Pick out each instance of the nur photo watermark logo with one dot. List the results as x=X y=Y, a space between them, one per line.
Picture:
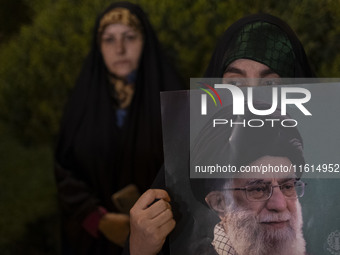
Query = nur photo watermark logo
x=281 y=99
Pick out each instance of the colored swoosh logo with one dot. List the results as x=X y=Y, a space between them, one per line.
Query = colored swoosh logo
x=209 y=93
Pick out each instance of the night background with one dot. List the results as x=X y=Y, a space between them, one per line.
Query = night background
x=42 y=47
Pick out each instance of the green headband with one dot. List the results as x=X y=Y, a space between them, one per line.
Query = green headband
x=264 y=43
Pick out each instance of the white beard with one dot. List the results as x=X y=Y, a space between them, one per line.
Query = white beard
x=250 y=237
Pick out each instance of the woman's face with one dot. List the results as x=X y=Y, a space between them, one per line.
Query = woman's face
x=121 y=47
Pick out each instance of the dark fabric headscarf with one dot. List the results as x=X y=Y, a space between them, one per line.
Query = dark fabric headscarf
x=265 y=39
x=94 y=157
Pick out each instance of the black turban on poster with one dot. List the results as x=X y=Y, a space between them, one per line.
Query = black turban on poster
x=94 y=157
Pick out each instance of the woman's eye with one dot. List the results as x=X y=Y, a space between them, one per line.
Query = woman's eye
x=271 y=82
x=131 y=37
x=237 y=83
x=108 y=39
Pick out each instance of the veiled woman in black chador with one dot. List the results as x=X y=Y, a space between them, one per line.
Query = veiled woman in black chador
x=110 y=133
x=271 y=44
x=259 y=40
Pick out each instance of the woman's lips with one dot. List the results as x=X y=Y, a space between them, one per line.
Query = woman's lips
x=121 y=62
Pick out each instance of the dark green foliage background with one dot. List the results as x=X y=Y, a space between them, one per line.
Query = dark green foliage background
x=40 y=61
x=42 y=46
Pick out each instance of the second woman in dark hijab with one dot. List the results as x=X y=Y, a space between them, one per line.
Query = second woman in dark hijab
x=110 y=134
